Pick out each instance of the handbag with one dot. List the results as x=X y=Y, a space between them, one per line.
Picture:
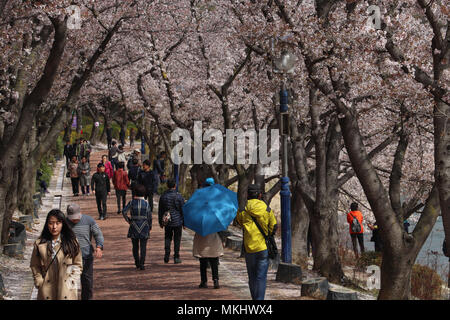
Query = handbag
x=166 y=218
x=272 y=249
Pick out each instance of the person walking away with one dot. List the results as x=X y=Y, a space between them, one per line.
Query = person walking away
x=140 y=223
x=56 y=261
x=172 y=201
x=158 y=166
x=109 y=136
x=148 y=178
x=133 y=173
x=406 y=225
x=121 y=157
x=136 y=154
x=74 y=172
x=208 y=249
x=355 y=231
x=132 y=136
x=42 y=184
x=121 y=184
x=77 y=148
x=101 y=188
x=85 y=228
x=256 y=255
x=113 y=154
x=85 y=150
x=85 y=173
x=376 y=238
x=68 y=152
x=108 y=166
x=122 y=135
x=309 y=247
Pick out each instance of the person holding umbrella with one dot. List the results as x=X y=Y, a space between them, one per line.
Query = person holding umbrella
x=208 y=249
x=172 y=202
x=208 y=211
x=256 y=255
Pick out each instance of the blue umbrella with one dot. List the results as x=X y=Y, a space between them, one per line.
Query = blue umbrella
x=210 y=209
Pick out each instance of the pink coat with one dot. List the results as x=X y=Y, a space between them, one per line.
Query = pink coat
x=109 y=169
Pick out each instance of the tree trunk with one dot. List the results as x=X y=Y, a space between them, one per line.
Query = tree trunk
x=245 y=178
x=183 y=188
x=8 y=199
x=26 y=185
x=325 y=240
x=67 y=133
x=396 y=276
x=442 y=163
x=299 y=225
x=79 y=121
x=93 y=139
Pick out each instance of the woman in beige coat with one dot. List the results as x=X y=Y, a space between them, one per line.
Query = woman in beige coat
x=56 y=261
x=208 y=249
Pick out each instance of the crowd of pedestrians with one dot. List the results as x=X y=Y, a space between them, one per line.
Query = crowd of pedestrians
x=67 y=238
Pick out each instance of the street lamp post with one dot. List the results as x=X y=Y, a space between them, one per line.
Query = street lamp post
x=284 y=65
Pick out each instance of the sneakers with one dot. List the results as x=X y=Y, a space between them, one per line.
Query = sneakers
x=203 y=285
x=176 y=260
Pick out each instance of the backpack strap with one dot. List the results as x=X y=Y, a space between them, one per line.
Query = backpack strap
x=259 y=227
x=268 y=209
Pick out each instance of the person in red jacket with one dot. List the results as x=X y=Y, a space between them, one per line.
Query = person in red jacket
x=356 y=214
x=121 y=184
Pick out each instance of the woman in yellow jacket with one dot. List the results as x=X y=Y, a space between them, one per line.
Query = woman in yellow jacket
x=256 y=256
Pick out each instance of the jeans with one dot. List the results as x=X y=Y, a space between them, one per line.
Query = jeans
x=87 y=278
x=257 y=267
x=101 y=203
x=114 y=163
x=141 y=244
x=175 y=233
x=121 y=194
x=214 y=262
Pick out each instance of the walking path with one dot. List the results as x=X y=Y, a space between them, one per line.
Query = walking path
x=115 y=275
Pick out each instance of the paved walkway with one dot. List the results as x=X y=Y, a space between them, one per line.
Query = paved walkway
x=116 y=277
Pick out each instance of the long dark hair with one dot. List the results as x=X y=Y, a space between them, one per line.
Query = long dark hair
x=69 y=241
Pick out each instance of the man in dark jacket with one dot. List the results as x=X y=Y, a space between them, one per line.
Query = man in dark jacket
x=173 y=202
x=109 y=136
x=101 y=188
x=135 y=155
x=68 y=152
x=122 y=136
x=148 y=178
x=113 y=155
x=133 y=173
x=158 y=166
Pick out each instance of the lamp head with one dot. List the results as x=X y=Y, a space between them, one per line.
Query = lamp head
x=285 y=63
